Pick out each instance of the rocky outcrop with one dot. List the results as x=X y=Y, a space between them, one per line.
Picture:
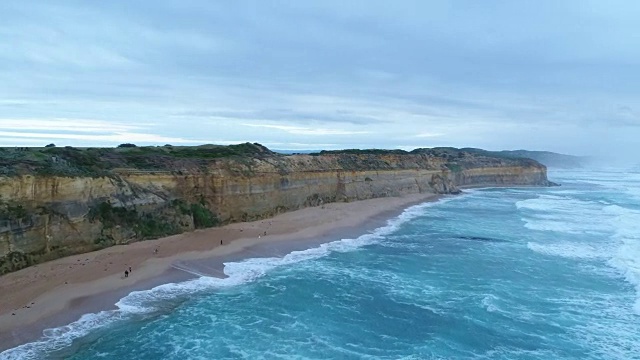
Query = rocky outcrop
x=43 y=217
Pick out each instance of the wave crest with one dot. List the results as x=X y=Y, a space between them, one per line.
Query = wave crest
x=241 y=272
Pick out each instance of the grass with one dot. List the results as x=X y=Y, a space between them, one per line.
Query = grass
x=239 y=159
x=100 y=162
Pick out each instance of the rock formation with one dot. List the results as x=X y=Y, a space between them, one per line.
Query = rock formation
x=56 y=202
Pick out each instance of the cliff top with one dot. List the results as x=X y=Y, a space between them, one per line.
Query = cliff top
x=70 y=161
x=452 y=156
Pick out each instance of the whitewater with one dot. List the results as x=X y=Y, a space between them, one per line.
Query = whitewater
x=498 y=273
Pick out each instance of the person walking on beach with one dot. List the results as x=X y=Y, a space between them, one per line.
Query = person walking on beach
x=126 y=273
x=130 y=271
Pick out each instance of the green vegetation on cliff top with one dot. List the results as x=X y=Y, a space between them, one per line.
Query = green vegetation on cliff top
x=96 y=162
x=70 y=161
x=454 y=154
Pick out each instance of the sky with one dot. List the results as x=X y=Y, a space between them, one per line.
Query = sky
x=550 y=75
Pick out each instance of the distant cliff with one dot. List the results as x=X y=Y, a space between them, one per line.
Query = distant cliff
x=56 y=202
x=546 y=158
x=550 y=159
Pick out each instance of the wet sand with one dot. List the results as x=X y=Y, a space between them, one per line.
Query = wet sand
x=58 y=292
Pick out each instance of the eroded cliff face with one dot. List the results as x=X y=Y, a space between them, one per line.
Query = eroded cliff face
x=46 y=217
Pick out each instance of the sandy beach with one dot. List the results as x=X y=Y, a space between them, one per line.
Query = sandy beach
x=58 y=292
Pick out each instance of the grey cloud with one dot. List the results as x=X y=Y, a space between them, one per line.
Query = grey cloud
x=488 y=74
x=338 y=116
x=622 y=116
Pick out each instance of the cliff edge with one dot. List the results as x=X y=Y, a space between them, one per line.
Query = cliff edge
x=56 y=202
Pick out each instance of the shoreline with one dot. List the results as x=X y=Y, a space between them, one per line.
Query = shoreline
x=58 y=292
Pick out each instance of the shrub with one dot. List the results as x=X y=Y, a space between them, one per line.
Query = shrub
x=11 y=211
x=203 y=217
x=111 y=216
x=181 y=206
x=149 y=227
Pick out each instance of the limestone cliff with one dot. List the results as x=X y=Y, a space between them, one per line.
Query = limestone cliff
x=63 y=204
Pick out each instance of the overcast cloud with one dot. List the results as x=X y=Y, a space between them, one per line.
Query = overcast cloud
x=542 y=75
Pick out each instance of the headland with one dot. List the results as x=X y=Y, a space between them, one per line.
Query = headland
x=73 y=220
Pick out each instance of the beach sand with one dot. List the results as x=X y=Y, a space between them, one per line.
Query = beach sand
x=58 y=292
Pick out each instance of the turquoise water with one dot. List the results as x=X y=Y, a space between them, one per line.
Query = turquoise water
x=526 y=273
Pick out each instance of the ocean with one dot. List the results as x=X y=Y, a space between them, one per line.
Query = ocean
x=496 y=273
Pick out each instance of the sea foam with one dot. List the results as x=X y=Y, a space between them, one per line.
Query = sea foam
x=241 y=272
x=627 y=256
x=562 y=214
x=618 y=225
x=568 y=250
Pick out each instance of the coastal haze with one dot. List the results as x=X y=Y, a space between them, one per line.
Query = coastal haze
x=547 y=75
